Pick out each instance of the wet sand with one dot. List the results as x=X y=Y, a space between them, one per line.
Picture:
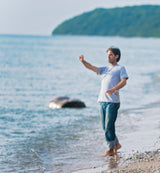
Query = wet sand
x=147 y=162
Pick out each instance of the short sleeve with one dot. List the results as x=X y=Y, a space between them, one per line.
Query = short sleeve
x=102 y=70
x=123 y=73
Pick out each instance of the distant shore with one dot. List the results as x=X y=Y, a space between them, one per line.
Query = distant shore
x=140 y=21
x=146 y=162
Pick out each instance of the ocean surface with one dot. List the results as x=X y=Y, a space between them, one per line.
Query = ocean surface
x=36 y=69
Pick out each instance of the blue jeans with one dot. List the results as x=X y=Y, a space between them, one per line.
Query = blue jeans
x=108 y=113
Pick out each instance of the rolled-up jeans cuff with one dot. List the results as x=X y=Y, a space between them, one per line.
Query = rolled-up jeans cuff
x=112 y=144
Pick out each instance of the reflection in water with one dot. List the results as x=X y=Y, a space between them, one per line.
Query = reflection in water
x=113 y=161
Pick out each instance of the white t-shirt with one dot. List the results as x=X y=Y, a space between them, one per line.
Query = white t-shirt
x=110 y=77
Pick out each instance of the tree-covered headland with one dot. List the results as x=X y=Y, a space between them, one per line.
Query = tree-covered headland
x=139 y=21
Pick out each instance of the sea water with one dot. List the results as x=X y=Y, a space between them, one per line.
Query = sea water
x=36 y=69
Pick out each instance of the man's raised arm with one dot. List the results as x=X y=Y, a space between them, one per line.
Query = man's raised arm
x=88 y=65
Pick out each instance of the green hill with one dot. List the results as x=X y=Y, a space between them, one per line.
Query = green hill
x=140 y=21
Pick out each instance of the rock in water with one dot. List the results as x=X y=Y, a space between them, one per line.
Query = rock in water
x=65 y=102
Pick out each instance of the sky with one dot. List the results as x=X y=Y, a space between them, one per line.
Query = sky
x=40 y=17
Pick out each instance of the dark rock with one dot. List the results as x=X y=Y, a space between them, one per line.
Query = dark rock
x=65 y=102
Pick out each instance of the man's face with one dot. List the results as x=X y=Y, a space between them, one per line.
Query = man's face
x=112 y=58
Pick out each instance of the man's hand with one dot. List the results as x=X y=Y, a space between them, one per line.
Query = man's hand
x=81 y=58
x=110 y=91
x=120 y=85
x=88 y=65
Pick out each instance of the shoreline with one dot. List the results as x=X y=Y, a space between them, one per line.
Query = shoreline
x=143 y=162
x=146 y=162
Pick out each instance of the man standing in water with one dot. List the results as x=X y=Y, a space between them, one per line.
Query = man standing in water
x=114 y=77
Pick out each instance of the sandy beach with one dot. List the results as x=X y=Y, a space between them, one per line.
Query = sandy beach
x=147 y=162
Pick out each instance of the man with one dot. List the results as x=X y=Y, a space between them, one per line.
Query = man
x=114 y=77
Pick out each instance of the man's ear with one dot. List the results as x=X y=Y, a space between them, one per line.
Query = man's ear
x=117 y=56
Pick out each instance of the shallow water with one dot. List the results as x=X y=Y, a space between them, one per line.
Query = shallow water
x=35 y=69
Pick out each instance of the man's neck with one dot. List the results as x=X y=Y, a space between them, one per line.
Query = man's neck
x=113 y=64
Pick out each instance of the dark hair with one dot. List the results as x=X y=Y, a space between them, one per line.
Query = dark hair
x=116 y=51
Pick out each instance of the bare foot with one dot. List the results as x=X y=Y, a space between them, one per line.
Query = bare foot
x=109 y=152
x=117 y=147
